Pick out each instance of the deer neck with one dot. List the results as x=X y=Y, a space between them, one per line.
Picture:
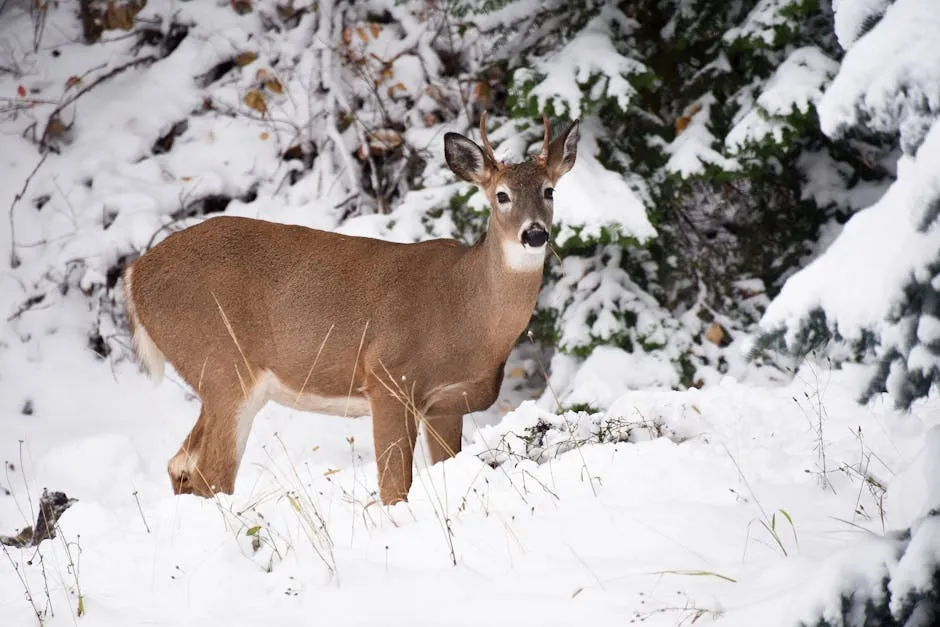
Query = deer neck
x=503 y=293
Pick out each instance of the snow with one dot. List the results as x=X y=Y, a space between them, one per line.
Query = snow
x=576 y=530
x=795 y=87
x=852 y=17
x=889 y=80
x=590 y=55
x=763 y=22
x=664 y=505
x=878 y=251
x=692 y=149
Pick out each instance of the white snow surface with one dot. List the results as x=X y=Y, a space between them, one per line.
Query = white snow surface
x=851 y=16
x=659 y=520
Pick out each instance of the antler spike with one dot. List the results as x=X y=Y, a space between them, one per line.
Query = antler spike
x=486 y=142
x=548 y=137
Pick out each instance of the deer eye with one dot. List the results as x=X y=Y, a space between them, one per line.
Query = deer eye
x=549 y=193
x=502 y=198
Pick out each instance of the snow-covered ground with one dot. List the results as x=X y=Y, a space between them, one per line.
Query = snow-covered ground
x=714 y=503
x=743 y=503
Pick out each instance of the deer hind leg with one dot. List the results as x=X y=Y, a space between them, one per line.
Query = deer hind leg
x=208 y=459
x=443 y=434
x=395 y=431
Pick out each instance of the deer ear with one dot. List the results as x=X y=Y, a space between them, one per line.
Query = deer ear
x=563 y=151
x=466 y=159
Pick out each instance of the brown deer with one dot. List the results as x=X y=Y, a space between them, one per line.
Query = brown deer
x=249 y=311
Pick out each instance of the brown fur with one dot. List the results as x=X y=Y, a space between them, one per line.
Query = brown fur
x=247 y=310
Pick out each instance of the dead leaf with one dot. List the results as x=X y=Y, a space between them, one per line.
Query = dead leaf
x=186 y=179
x=715 y=334
x=362 y=33
x=264 y=136
x=481 y=92
x=683 y=121
x=242 y=6
x=56 y=127
x=347 y=36
x=72 y=81
x=376 y=29
x=387 y=138
x=255 y=100
x=330 y=472
x=121 y=16
x=245 y=58
x=274 y=85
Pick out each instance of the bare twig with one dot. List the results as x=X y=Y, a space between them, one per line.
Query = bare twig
x=14 y=258
x=43 y=141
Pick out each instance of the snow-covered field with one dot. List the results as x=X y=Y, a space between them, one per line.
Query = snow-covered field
x=726 y=515
x=748 y=502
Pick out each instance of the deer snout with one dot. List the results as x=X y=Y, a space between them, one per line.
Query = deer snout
x=535 y=235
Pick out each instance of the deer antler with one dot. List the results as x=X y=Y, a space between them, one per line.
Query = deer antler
x=548 y=136
x=486 y=142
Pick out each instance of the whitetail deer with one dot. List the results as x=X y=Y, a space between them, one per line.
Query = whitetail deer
x=249 y=311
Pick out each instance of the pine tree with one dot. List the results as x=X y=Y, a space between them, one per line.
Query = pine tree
x=700 y=114
x=876 y=290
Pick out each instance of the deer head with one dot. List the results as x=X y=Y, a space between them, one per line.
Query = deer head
x=521 y=194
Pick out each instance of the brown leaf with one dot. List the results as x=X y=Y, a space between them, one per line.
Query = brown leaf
x=72 y=81
x=264 y=136
x=715 y=334
x=683 y=121
x=121 y=16
x=362 y=33
x=481 y=92
x=274 y=85
x=245 y=58
x=385 y=139
x=255 y=100
x=242 y=6
x=56 y=127
x=376 y=29
x=347 y=36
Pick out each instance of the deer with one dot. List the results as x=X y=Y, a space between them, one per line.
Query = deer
x=249 y=311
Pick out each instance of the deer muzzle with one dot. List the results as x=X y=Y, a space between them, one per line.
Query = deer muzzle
x=535 y=235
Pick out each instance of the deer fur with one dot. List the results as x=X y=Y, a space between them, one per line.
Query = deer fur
x=249 y=311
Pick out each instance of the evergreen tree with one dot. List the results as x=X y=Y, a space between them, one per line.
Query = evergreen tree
x=702 y=115
x=876 y=290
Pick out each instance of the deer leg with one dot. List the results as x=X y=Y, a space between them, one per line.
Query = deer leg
x=208 y=460
x=394 y=430
x=443 y=435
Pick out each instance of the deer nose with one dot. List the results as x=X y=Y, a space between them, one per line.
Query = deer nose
x=535 y=236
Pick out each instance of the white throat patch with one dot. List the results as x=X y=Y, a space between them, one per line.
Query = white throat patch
x=521 y=258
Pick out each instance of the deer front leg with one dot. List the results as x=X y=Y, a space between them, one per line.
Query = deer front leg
x=394 y=430
x=443 y=434
x=208 y=460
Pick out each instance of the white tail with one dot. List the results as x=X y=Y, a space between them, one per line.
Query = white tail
x=249 y=311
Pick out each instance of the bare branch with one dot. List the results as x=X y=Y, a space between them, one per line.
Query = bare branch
x=14 y=258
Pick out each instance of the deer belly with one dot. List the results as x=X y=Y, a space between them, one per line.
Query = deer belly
x=352 y=406
x=462 y=398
